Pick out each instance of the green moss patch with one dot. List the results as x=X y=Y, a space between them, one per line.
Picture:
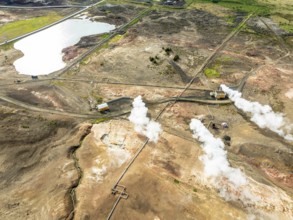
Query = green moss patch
x=211 y=73
x=18 y=28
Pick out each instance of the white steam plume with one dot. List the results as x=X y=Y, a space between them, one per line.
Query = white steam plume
x=215 y=157
x=231 y=182
x=262 y=115
x=142 y=124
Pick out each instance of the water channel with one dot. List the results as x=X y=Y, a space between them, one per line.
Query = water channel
x=43 y=50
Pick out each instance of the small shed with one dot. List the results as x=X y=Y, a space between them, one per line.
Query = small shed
x=218 y=94
x=103 y=107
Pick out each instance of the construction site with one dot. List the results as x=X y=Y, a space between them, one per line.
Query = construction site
x=183 y=111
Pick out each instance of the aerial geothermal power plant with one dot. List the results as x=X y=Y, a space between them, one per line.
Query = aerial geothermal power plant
x=146 y=110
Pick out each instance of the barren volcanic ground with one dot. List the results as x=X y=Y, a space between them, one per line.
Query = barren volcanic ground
x=60 y=157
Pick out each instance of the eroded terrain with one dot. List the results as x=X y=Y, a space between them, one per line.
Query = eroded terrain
x=60 y=157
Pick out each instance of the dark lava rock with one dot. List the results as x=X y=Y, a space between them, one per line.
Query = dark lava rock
x=35 y=2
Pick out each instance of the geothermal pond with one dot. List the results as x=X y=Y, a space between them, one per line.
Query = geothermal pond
x=43 y=50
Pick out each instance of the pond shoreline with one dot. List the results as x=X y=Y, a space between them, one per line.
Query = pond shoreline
x=41 y=57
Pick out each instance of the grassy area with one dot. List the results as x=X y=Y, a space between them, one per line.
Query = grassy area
x=247 y=6
x=17 y=28
x=105 y=35
x=211 y=73
x=7 y=46
x=115 y=39
x=85 y=61
x=280 y=13
x=230 y=19
x=214 y=70
x=287 y=27
x=57 y=83
x=100 y=120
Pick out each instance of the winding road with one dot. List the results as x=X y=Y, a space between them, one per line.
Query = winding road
x=113 y=114
x=50 y=111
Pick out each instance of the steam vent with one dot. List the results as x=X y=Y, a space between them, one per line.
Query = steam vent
x=146 y=110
